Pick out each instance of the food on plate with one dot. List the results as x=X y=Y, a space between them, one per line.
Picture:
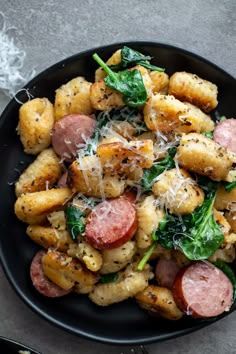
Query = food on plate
x=41 y=282
x=203 y=290
x=191 y=88
x=132 y=191
x=43 y=172
x=71 y=132
x=36 y=120
x=73 y=97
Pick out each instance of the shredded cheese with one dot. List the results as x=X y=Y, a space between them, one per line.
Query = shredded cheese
x=11 y=63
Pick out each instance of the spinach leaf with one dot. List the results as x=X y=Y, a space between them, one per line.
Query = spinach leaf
x=149 y=174
x=228 y=272
x=129 y=83
x=207 y=185
x=131 y=57
x=203 y=235
x=108 y=278
x=196 y=234
x=209 y=135
x=229 y=186
x=74 y=221
x=167 y=230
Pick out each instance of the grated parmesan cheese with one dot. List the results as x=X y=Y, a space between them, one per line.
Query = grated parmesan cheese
x=11 y=63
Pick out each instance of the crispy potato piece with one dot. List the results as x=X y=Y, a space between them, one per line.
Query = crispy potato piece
x=103 y=97
x=91 y=257
x=224 y=254
x=68 y=272
x=202 y=155
x=118 y=156
x=48 y=237
x=117 y=258
x=36 y=120
x=115 y=59
x=167 y=114
x=41 y=174
x=134 y=175
x=125 y=129
x=73 y=97
x=57 y=219
x=191 y=88
x=86 y=176
x=230 y=238
x=129 y=282
x=206 y=123
x=225 y=200
x=178 y=192
x=231 y=218
x=149 y=216
x=160 y=82
x=160 y=301
x=31 y=207
x=221 y=221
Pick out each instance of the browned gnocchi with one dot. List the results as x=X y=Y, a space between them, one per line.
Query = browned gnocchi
x=129 y=191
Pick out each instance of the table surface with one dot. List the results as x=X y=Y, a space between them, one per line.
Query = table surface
x=51 y=30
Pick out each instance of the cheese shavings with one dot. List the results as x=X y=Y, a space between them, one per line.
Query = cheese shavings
x=11 y=62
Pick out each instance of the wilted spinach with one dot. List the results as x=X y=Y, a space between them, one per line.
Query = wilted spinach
x=203 y=236
x=131 y=57
x=209 y=135
x=129 y=83
x=74 y=221
x=229 y=186
x=196 y=234
x=108 y=278
x=157 y=168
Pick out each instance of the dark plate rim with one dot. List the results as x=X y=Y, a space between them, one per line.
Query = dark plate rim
x=11 y=279
x=18 y=344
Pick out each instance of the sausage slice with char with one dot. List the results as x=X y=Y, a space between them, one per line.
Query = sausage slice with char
x=111 y=224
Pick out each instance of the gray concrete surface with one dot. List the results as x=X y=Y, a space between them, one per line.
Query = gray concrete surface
x=49 y=31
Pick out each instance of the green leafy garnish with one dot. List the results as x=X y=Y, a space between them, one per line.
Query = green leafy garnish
x=209 y=135
x=129 y=83
x=157 y=168
x=228 y=272
x=229 y=186
x=196 y=234
x=147 y=255
x=203 y=236
x=74 y=221
x=131 y=57
x=108 y=278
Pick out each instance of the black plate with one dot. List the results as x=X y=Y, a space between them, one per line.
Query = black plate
x=123 y=323
x=10 y=346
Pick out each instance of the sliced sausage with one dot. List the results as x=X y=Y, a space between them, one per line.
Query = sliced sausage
x=41 y=282
x=224 y=134
x=111 y=224
x=166 y=272
x=130 y=196
x=70 y=132
x=203 y=290
x=62 y=182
